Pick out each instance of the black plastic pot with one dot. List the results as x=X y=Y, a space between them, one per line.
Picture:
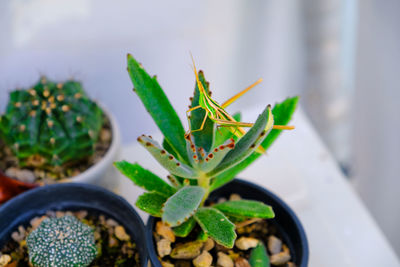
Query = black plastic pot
x=285 y=220
x=71 y=196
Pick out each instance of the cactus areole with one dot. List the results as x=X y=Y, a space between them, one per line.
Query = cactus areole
x=51 y=124
x=62 y=242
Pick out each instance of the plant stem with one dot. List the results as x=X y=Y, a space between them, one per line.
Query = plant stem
x=204 y=181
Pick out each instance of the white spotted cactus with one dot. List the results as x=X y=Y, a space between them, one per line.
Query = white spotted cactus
x=51 y=124
x=61 y=242
x=199 y=161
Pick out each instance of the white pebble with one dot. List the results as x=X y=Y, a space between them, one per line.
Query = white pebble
x=203 y=260
x=224 y=260
x=244 y=243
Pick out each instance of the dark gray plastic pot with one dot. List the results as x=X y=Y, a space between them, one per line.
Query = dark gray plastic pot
x=285 y=220
x=71 y=196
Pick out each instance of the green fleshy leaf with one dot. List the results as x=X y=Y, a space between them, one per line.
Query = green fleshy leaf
x=222 y=134
x=246 y=208
x=205 y=137
x=282 y=115
x=248 y=143
x=215 y=224
x=169 y=148
x=185 y=228
x=167 y=160
x=202 y=236
x=159 y=107
x=259 y=256
x=144 y=178
x=151 y=203
x=216 y=156
x=182 y=205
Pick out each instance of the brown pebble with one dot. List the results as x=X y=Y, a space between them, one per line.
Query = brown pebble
x=111 y=223
x=274 y=245
x=209 y=244
x=112 y=242
x=244 y=243
x=280 y=258
x=81 y=214
x=164 y=247
x=221 y=200
x=35 y=222
x=5 y=260
x=165 y=231
x=19 y=235
x=69 y=213
x=60 y=214
x=224 y=260
x=166 y=264
x=105 y=135
x=187 y=251
x=247 y=222
x=235 y=197
x=121 y=234
x=97 y=235
x=203 y=260
x=23 y=175
x=242 y=262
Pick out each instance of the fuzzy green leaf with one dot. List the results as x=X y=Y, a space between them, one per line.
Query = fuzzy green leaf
x=159 y=107
x=202 y=236
x=167 y=160
x=169 y=148
x=282 y=115
x=215 y=224
x=144 y=178
x=182 y=205
x=216 y=156
x=205 y=137
x=223 y=133
x=185 y=228
x=248 y=143
x=151 y=203
x=259 y=256
x=246 y=208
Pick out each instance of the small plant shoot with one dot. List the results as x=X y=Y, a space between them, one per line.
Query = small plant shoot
x=214 y=149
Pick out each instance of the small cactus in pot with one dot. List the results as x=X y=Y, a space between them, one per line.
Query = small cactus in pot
x=51 y=125
x=63 y=241
x=210 y=154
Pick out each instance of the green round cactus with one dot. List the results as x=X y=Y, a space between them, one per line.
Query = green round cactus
x=51 y=124
x=61 y=242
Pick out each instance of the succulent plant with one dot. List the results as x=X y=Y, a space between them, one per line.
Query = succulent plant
x=51 y=124
x=63 y=241
x=198 y=161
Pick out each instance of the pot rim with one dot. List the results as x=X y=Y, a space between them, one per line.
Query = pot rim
x=300 y=230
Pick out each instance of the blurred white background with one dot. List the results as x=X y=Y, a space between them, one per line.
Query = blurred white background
x=340 y=56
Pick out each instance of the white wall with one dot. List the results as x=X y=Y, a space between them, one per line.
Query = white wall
x=233 y=41
x=376 y=134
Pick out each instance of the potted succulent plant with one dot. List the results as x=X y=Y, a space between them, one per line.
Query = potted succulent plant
x=70 y=224
x=54 y=132
x=200 y=218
